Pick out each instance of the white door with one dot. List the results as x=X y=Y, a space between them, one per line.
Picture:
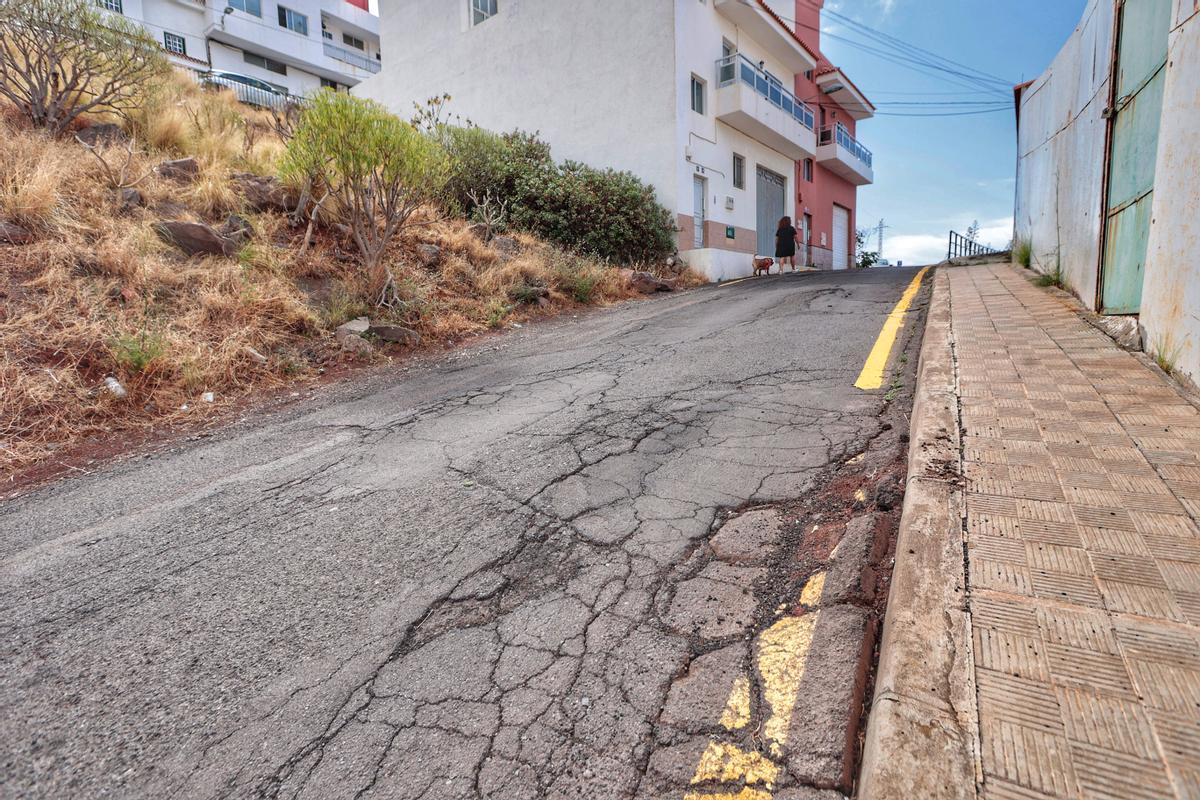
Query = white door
x=841 y=237
x=699 y=192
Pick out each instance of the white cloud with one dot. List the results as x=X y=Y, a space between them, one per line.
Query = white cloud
x=930 y=248
x=915 y=248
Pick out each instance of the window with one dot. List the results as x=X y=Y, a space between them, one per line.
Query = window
x=265 y=63
x=353 y=41
x=293 y=21
x=739 y=171
x=110 y=5
x=328 y=84
x=482 y=10
x=249 y=6
x=808 y=73
x=174 y=43
x=808 y=169
x=727 y=62
x=697 y=95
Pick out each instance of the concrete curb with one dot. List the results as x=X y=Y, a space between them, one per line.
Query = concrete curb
x=923 y=730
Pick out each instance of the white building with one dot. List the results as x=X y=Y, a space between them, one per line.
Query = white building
x=692 y=96
x=295 y=45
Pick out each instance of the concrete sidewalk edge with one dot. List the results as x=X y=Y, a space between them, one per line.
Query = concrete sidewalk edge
x=922 y=733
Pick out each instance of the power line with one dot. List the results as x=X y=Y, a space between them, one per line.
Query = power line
x=945 y=103
x=939 y=114
x=888 y=38
x=913 y=57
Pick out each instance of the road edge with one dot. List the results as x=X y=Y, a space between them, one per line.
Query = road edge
x=922 y=731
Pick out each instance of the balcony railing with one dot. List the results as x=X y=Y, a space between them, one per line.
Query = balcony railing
x=838 y=133
x=352 y=58
x=737 y=67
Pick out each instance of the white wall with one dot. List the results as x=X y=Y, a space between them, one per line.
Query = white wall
x=1171 y=289
x=229 y=58
x=595 y=79
x=699 y=32
x=194 y=21
x=1060 y=155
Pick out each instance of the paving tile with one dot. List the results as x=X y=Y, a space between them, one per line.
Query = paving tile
x=1011 y=653
x=1104 y=721
x=1066 y=587
x=1088 y=669
x=1007 y=698
x=1101 y=517
x=1057 y=558
x=1028 y=758
x=1013 y=614
x=1083 y=552
x=1120 y=776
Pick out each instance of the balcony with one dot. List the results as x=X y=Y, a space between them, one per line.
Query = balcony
x=841 y=154
x=768 y=31
x=756 y=103
x=352 y=57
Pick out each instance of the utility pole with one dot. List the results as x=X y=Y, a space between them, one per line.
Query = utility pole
x=878 y=231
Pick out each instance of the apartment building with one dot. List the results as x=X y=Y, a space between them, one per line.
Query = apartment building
x=726 y=107
x=295 y=45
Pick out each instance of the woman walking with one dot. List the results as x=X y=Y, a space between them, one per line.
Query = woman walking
x=785 y=244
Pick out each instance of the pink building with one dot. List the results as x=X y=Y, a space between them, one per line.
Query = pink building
x=827 y=185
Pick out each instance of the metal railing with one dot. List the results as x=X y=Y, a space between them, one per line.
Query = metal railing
x=352 y=58
x=838 y=133
x=737 y=67
x=961 y=246
x=250 y=95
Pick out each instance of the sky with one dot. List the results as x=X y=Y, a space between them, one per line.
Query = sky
x=936 y=174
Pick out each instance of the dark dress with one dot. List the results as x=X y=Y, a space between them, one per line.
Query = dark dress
x=785 y=242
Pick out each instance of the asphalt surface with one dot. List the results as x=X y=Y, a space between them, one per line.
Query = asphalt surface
x=451 y=585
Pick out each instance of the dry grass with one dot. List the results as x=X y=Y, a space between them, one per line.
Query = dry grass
x=99 y=294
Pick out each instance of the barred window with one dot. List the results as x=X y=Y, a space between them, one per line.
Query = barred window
x=174 y=43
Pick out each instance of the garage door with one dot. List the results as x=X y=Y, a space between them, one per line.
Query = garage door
x=771 y=192
x=841 y=238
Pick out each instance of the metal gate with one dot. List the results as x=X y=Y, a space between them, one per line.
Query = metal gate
x=699 y=197
x=1142 y=28
x=772 y=189
x=841 y=237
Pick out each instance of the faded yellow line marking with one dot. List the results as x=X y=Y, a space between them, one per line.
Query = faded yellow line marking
x=871 y=376
x=811 y=594
x=725 y=763
x=744 y=794
x=782 y=651
x=737 y=707
x=779 y=656
x=723 y=284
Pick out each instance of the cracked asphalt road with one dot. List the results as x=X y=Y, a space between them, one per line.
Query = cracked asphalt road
x=451 y=585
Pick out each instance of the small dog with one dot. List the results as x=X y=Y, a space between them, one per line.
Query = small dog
x=763 y=265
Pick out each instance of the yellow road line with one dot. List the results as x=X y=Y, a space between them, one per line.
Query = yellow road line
x=723 y=284
x=871 y=376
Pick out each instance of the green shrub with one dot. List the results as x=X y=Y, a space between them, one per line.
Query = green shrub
x=604 y=213
x=379 y=168
x=577 y=278
x=1023 y=250
x=135 y=352
x=496 y=312
x=526 y=293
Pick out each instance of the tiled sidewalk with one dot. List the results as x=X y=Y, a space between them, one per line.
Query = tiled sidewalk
x=1082 y=471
